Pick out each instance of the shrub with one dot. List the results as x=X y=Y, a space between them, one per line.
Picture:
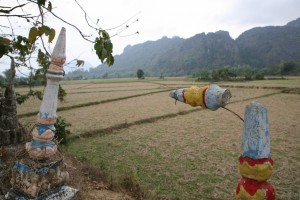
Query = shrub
x=140 y=74
x=62 y=130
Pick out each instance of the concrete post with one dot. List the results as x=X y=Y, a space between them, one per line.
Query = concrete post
x=256 y=165
x=41 y=173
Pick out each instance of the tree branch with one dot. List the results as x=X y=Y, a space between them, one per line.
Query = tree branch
x=68 y=23
x=8 y=11
x=21 y=16
x=85 y=16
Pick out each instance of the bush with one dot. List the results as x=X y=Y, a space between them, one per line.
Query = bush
x=62 y=130
x=140 y=74
x=259 y=74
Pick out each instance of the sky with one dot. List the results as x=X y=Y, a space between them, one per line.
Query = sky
x=154 y=19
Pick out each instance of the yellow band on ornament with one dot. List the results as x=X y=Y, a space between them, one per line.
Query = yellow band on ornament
x=195 y=96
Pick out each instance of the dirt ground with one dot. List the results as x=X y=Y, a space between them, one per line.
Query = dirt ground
x=84 y=177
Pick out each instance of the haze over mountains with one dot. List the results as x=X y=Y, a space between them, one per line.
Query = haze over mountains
x=258 y=47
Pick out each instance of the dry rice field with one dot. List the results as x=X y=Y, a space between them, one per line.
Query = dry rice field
x=174 y=150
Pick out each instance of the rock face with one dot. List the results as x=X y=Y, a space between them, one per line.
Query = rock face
x=263 y=46
x=257 y=47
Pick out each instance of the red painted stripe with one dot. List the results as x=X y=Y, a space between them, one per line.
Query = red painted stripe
x=253 y=162
x=251 y=187
x=184 y=100
x=203 y=97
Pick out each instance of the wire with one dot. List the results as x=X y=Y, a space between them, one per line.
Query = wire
x=234 y=113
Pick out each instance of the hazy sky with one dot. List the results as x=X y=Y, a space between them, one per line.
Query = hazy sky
x=158 y=18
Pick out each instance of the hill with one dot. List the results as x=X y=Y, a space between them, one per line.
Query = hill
x=258 y=47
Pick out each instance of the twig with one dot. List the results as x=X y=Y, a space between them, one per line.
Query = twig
x=8 y=11
x=234 y=113
x=86 y=16
x=21 y=16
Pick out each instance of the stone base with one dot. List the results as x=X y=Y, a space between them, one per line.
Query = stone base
x=62 y=192
x=31 y=178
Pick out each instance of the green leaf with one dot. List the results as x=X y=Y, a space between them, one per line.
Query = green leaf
x=79 y=63
x=108 y=46
x=3 y=50
x=97 y=46
x=103 y=54
x=44 y=29
x=104 y=48
x=110 y=60
x=4 y=41
x=51 y=35
x=41 y=2
x=49 y=6
x=33 y=33
x=105 y=35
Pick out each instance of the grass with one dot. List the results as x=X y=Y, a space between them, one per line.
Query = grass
x=168 y=159
x=92 y=103
x=176 y=151
x=195 y=156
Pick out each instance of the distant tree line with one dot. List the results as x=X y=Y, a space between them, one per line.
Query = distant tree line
x=20 y=81
x=226 y=73
x=246 y=72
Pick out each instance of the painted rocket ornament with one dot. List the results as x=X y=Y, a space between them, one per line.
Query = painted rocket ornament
x=42 y=146
x=211 y=96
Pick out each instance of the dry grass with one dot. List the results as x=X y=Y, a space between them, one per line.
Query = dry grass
x=179 y=151
x=195 y=156
x=79 y=98
x=130 y=110
x=90 y=92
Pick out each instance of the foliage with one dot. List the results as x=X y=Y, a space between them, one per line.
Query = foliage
x=230 y=74
x=105 y=75
x=62 y=130
x=22 y=98
x=23 y=48
x=290 y=68
x=259 y=74
x=140 y=74
x=104 y=48
x=204 y=74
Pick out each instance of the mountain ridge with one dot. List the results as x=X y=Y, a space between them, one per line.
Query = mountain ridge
x=257 y=47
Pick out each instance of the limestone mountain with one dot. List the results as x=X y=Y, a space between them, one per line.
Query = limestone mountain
x=263 y=46
x=257 y=47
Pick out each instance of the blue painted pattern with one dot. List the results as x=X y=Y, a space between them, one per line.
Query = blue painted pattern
x=40 y=144
x=256 y=135
x=45 y=170
x=23 y=168
x=42 y=128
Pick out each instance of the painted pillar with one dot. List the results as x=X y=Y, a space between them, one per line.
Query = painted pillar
x=41 y=173
x=210 y=96
x=256 y=165
x=42 y=146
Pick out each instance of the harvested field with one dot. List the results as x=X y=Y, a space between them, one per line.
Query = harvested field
x=73 y=99
x=178 y=151
x=110 y=114
x=195 y=156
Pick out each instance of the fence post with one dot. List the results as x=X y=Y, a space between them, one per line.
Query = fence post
x=40 y=172
x=255 y=163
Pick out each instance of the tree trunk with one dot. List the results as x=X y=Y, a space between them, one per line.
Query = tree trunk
x=10 y=130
